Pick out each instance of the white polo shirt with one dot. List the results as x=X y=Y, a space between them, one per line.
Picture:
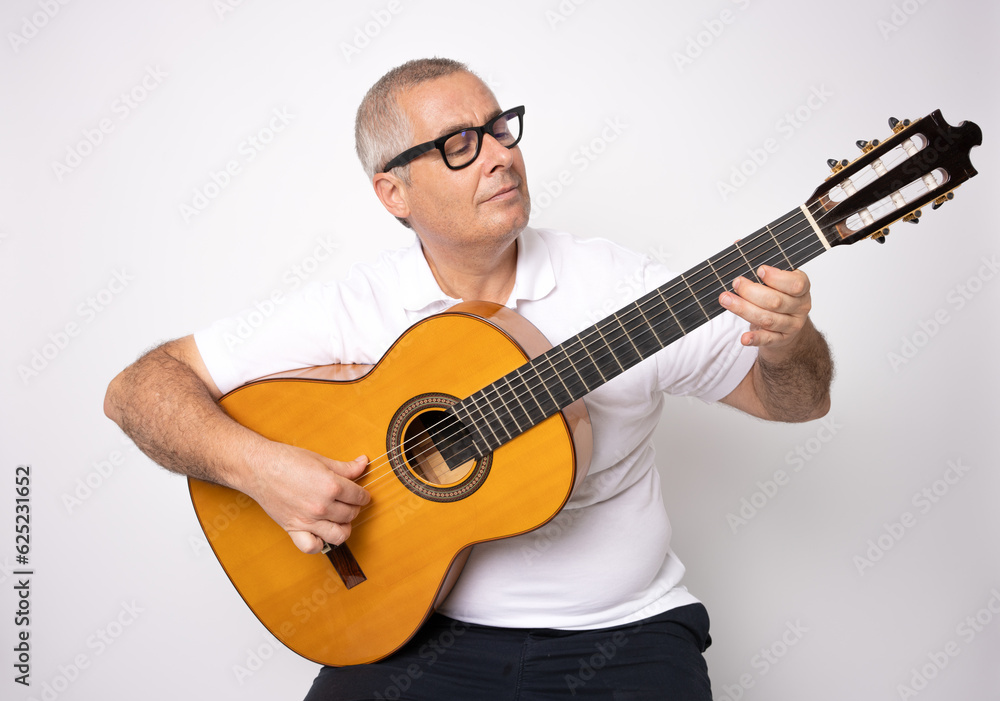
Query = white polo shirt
x=605 y=559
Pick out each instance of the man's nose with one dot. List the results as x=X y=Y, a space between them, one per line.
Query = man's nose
x=497 y=153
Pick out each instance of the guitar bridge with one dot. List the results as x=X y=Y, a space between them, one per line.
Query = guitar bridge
x=345 y=563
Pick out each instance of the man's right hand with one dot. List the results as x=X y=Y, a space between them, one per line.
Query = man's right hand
x=311 y=496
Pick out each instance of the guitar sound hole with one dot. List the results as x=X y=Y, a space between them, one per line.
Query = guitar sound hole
x=424 y=439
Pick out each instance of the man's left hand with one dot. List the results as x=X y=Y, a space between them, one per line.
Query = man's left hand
x=777 y=310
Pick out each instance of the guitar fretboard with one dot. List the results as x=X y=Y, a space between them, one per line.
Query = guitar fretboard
x=555 y=379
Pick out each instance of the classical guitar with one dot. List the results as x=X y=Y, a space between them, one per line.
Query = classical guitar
x=469 y=405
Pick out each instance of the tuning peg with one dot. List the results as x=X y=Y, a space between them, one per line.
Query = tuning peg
x=880 y=235
x=942 y=199
x=867 y=146
x=913 y=217
x=836 y=165
x=897 y=125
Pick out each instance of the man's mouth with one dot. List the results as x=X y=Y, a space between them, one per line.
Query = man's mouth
x=503 y=193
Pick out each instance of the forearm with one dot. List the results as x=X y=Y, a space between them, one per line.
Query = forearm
x=794 y=384
x=171 y=415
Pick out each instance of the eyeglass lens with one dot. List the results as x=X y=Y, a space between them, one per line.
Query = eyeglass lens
x=462 y=148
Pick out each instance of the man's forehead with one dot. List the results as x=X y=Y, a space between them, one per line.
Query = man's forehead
x=449 y=102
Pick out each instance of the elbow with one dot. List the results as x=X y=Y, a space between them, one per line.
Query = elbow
x=111 y=409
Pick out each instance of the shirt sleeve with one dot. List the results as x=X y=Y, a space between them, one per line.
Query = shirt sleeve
x=286 y=333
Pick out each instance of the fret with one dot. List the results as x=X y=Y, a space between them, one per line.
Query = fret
x=611 y=354
x=606 y=340
x=652 y=326
x=714 y=272
x=759 y=250
x=680 y=327
x=790 y=266
x=511 y=414
x=689 y=315
x=565 y=397
x=750 y=266
x=534 y=368
x=483 y=419
x=575 y=374
x=593 y=362
x=538 y=413
x=469 y=421
x=698 y=301
x=623 y=349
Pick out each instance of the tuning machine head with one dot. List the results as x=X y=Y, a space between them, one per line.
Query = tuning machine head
x=898 y=125
x=867 y=146
x=835 y=165
x=942 y=199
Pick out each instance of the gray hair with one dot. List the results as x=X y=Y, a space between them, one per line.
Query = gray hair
x=381 y=128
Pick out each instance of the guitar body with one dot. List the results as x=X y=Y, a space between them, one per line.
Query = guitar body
x=360 y=603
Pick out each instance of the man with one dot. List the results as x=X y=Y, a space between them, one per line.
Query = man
x=591 y=604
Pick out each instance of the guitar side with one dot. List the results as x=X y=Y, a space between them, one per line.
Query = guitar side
x=410 y=541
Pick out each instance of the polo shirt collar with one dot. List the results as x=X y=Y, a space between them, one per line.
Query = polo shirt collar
x=533 y=280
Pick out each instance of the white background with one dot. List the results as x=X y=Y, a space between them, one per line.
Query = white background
x=115 y=547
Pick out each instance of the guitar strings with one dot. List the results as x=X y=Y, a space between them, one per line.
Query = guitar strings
x=377 y=465
x=711 y=272
x=781 y=236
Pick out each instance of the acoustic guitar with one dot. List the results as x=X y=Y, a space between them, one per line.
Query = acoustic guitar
x=470 y=405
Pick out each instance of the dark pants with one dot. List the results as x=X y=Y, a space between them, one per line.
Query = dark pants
x=658 y=658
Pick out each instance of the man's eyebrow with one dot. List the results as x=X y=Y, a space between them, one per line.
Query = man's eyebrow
x=459 y=127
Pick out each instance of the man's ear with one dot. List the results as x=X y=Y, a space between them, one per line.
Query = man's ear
x=391 y=192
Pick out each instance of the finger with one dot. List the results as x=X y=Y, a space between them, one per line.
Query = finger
x=791 y=282
x=321 y=533
x=760 y=338
x=759 y=318
x=306 y=542
x=347 y=491
x=773 y=300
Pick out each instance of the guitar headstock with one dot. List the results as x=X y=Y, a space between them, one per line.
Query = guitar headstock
x=920 y=163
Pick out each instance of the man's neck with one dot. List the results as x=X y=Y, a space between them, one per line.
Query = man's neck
x=477 y=274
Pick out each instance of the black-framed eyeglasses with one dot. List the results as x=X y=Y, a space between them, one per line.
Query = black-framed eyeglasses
x=459 y=149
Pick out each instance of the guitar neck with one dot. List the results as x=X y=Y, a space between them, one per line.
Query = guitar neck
x=581 y=364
